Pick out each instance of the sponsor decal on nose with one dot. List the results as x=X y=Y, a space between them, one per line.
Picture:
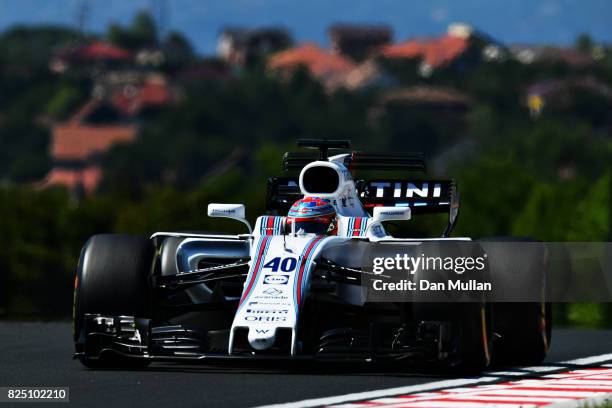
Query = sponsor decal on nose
x=276 y=279
x=261 y=338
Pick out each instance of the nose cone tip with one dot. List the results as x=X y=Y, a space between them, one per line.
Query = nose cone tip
x=261 y=339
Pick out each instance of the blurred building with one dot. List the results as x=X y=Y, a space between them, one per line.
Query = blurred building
x=528 y=54
x=462 y=47
x=112 y=116
x=585 y=94
x=77 y=146
x=358 y=41
x=135 y=93
x=203 y=69
x=362 y=56
x=326 y=66
x=104 y=56
x=368 y=75
x=448 y=103
x=150 y=57
x=98 y=54
x=242 y=47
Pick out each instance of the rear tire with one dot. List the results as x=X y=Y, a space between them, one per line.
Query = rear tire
x=112 y=279
x=523 y=329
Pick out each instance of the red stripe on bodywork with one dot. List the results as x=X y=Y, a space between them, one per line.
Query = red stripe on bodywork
x=302 y=266
x=270 y=226
x=256 y=270
x=357 y=227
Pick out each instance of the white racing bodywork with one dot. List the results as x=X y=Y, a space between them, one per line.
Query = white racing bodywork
x=281 y=263
x=276 y=286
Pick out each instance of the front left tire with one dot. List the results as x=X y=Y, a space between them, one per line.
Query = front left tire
x=112 y=279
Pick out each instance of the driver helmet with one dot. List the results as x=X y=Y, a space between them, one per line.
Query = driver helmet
x=313 y=215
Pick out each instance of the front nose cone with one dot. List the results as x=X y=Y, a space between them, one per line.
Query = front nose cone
x=261 y=339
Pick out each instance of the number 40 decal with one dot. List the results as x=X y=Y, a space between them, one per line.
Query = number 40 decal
x=286 y=264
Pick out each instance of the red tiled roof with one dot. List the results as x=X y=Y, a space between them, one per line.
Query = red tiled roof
x=435 y=52
x=88 y=178
x=409 y=49
x=101 y=50
x=319 y=62
x=153 y=93
x=73 y=141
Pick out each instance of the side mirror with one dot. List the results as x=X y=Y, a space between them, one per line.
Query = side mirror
x=233 y=211
x=391 y=213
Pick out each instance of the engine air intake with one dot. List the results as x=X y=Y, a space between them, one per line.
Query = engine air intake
x=320 y=180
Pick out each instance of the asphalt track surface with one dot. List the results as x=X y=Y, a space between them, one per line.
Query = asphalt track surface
x=40 y=354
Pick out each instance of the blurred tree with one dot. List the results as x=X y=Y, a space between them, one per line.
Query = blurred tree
x=178 y=49
x=411 y=129
x=590 y=106
x=549 y=211
x=494 y=191
x=590 y=220
x=552 y=149
x=29 y=48
x=584 y=43
x=23 y=151
x=64 y=102
x=144 y=29
x=37 y=256
x=141 y=33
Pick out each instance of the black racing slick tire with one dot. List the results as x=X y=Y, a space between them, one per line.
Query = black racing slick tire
x=472 y=337
x=525 y=332
x=476 y=338
x=470 y=347
x=112 y=280
x=522 y=329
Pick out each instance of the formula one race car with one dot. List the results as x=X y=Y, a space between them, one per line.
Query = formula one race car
x=291 y=288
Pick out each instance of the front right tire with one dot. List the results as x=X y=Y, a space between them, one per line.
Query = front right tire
x=470 y=319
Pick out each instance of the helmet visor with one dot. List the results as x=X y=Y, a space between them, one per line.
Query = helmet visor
x=312 y=227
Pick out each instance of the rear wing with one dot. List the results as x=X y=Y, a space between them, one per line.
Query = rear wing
x=422 y=196
x=361 y=161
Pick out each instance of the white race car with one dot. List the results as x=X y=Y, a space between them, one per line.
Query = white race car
x=285 y=291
